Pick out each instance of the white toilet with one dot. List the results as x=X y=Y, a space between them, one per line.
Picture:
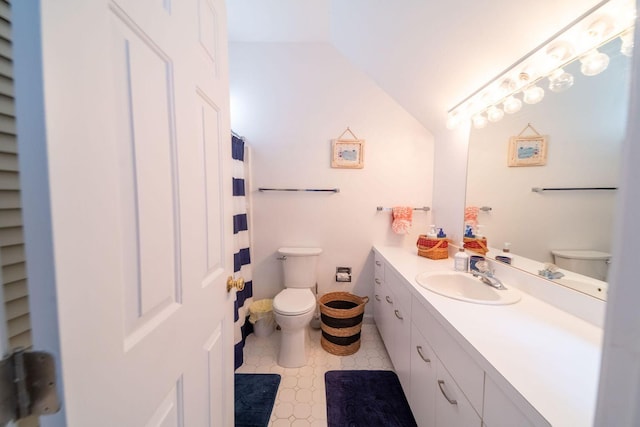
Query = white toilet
x=295 y=305
x=589 y=263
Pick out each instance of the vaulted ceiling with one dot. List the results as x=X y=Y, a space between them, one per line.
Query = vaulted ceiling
x=427 y=54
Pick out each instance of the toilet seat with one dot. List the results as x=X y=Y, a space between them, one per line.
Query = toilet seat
x=291 y=301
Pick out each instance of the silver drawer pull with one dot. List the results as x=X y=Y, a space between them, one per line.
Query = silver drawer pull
x=441 y=384
x=377 y=281
x=388 y=299
x=398 y=314
x=419 y=348
x=378 y=298
x=378 y=263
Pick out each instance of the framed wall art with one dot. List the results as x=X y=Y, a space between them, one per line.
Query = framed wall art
x=347 y=153
x=527 y=150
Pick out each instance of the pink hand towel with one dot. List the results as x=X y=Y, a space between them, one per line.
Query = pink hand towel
x=402 y=216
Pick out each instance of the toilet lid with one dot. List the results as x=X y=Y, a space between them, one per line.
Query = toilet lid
x=294 y=301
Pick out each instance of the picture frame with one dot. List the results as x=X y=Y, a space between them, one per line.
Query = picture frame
x=527 y=151
x=347 y=153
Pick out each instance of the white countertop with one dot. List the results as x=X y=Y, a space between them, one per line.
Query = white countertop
x=551 y=357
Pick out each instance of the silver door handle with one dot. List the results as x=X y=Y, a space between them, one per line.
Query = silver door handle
x=398 y=314
x=378 y=263
x=377 y=281
x=441 y=384
x=378 y=298
x=388 y=299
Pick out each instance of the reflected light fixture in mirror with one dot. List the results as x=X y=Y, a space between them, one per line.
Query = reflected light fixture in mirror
x=512 y=105
x=560 y=80
x=579 y=40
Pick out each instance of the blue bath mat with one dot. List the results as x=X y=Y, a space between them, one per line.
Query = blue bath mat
x=254 y=398
x=366 y=399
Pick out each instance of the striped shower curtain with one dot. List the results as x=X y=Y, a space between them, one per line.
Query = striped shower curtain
x=242 y=254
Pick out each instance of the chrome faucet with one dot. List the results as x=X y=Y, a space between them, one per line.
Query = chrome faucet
x=486 y=275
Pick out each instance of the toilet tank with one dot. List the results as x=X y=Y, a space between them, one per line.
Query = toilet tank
x=300 y=266
x=589 y=263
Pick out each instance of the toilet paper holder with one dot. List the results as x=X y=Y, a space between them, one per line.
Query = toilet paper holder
x=343 y=274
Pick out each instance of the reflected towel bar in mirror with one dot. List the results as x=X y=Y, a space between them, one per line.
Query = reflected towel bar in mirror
x=311 y=190
x=541 y=189
x=424 y=208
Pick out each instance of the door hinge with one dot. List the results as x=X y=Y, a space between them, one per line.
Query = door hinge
x=27 y=385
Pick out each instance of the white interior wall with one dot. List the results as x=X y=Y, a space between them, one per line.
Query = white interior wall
x=289 y=100
x=619 y=390
x=585 y=126
x=450 y=180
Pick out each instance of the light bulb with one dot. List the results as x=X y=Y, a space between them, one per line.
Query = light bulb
x=494 y=114
x=479 y=121
x=512 y=105
x=627 y=43
x=560 y=80
x=533 y=94
x=593 y=63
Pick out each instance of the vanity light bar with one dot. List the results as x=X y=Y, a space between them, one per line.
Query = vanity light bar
x=580 y=39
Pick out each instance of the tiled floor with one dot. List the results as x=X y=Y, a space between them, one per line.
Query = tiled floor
x=301 y=398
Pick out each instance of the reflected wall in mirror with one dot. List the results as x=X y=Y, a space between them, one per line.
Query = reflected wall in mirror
x=585 y=126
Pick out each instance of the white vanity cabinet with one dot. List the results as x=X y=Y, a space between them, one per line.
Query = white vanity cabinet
x=444 y=384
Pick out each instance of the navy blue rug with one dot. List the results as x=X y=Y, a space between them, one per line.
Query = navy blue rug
x=254 y=398
x=366 y=399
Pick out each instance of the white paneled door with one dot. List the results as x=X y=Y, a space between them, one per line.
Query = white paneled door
x=124 y=140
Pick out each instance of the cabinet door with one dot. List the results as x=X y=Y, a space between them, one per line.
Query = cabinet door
x=423 y=380
x=452 y=407
x=400 y=327
x=401 y=330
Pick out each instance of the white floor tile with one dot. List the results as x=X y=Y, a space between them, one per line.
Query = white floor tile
x=301 y=399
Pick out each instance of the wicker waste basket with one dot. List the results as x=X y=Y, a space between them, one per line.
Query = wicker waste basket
x=341 y=315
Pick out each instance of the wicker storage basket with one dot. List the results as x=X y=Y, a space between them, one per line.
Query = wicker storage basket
x=341 y=315
x=432 y=248
x=476 y=245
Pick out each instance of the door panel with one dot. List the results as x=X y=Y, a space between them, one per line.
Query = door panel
x=130 y=161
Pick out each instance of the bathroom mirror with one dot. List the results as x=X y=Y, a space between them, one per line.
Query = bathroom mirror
x=585 y=127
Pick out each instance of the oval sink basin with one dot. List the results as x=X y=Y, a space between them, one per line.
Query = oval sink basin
x=465 y=287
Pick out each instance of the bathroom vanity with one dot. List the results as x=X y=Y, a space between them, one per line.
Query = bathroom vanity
x=467 y=364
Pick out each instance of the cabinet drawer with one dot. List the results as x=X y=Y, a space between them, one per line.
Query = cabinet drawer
x=402 y=296
x=464 y=370
x=452 y=407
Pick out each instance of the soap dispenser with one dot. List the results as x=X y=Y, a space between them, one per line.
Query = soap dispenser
x=461 y=260
x=505 y=256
